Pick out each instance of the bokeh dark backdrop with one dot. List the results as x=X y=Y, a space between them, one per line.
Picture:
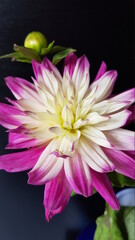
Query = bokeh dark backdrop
x=103 y=30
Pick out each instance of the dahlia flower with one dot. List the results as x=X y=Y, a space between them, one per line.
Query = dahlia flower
x=71 y=131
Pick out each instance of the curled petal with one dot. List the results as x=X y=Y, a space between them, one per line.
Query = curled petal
x=102 y=184
x=56 y=195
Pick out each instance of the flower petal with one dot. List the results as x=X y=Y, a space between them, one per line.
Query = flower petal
x=101 y=71
x=70 y=62
x=104 y=85
x=80 y=77
x=95 y=118
x=11 y=121
x=20 y=161
x=47 y=64
x=31 y=105
x=78 y=175
x=17 y=140
x=102 y=184
x=47 y=167
x=128 y=95
x=96 y=136
x=116 y=120
x=47 y=75
x=109 y=106
x=94 y=156
x=117 y=138
x=22 y=88
x=56 y=195
x=124 y=164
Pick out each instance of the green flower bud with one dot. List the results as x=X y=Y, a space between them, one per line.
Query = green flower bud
x=36 y=41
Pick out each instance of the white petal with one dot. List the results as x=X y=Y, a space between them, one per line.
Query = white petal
x=122 y=139
x=94 y=118
x=104 y=85
x=31 y=105
x=96 y=136
x=116 y=120
x=94 y=156
x=108 y=106
x=67 y=114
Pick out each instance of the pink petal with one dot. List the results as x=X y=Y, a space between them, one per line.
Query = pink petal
x=81 y=71
x=70 y=62
x=104 y=85
x=102 y=184
x=47 y=64
x=101 y=71
x=17 y=140
x=20 y=161
x=117 y=138
x=22 y=88
x=47 y=167
x=9 y=109
x=46 y=172
x=128 y=95
x=124 y=164
x=78 y=175
x=9 y=122
x=56 y=195
x=36 y=69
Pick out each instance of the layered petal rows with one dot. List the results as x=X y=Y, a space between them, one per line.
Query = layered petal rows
x=70 y=132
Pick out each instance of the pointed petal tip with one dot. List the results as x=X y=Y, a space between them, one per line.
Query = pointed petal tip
x=48 y=214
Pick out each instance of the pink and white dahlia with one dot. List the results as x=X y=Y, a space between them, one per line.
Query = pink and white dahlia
x=71 y=131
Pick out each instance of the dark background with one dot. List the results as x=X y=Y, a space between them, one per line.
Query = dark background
x=103 y=30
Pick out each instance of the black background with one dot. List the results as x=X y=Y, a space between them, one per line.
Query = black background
x=103 y=30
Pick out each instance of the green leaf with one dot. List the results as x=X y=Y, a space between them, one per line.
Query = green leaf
x=47 y=50
x=107 y=226
x=126 y=222
x=27 y=53
x=22 y=54
x=60 y=55
x=57 y=49
x=10 y=55
x=120 y=181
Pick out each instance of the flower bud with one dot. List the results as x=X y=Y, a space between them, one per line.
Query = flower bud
x=36 y=41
